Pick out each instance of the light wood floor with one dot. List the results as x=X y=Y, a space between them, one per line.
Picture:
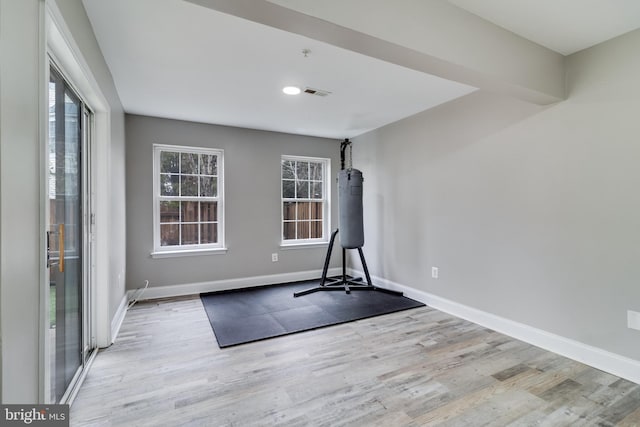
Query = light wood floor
x=413 y=368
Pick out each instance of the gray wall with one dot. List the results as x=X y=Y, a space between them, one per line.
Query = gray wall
x=252 y=202
x=530 y=213
x=20 y=268
x=22 y=277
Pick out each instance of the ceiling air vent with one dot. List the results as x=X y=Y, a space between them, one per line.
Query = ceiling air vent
x=316 y=92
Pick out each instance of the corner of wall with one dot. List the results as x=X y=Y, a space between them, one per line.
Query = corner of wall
x=118 y=318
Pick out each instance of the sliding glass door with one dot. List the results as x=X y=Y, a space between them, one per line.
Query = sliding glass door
x=67 y=199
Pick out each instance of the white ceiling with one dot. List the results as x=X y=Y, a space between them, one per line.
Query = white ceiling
x=565 y=26
x=174 y=59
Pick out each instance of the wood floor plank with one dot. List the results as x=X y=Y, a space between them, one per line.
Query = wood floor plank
x=631 y=420
x=412 y=368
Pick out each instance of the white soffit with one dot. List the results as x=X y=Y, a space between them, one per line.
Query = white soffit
x=565 y=26
x=174 y=59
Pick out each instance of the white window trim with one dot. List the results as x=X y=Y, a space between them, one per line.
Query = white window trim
x=187 y=250
x=307 y=245
x=326 y=211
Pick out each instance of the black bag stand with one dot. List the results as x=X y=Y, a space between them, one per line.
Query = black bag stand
x=344 y=283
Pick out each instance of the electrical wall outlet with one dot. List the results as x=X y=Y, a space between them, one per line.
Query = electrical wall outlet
x=274 y=257
x=434 y=272
x=633 y=319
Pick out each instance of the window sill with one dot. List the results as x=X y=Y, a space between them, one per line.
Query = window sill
x=189 y=252
x=289 y=246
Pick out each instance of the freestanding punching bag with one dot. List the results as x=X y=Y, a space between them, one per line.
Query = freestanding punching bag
x=351 y=232
x=350 y=208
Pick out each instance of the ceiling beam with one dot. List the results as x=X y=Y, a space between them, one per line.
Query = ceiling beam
x=433 y=37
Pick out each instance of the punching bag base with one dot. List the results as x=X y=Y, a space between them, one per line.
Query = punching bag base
x=344 y=283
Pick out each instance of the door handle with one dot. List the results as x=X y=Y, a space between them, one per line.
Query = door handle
x=48 y=249
x=61 y=247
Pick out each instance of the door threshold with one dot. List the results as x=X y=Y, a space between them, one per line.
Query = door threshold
x=72 y=392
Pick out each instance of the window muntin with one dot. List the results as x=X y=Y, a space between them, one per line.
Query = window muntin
x=305 y=201
x=187 y=198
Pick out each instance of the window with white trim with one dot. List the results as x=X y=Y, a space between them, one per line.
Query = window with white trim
x=305 y=200
x=188 y=198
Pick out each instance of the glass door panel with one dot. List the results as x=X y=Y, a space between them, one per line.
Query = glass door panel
x=65 y=234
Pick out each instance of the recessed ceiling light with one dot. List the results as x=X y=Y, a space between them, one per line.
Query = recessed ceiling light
x=291 y=90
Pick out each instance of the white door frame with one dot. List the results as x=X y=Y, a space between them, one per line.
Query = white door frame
x=61 y=46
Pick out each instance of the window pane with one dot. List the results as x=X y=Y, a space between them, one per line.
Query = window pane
x=302 y=169
x=289 y=231
x=189 y=185
x=189 y=234
x=315 y=171
x=188 y=199
x=316 y=229
x=289 y=211
x=288 y=169
x=169 y=185
x=288 y=189
x=169 y=234
x=316 y=190
x=302 y=189
x=169 y=211
x=303 y=228
x=189 y=163
x=303 y=211
x=189 y=212
x=209 y=233
x=304 y=197
x=315 y=210
x=208 y=186
x=169 y=162
x=208 y=211
x=208 y=164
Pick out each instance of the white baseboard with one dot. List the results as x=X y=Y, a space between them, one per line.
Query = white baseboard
x=118 y=318
x=154 y=292
x=598 y=358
